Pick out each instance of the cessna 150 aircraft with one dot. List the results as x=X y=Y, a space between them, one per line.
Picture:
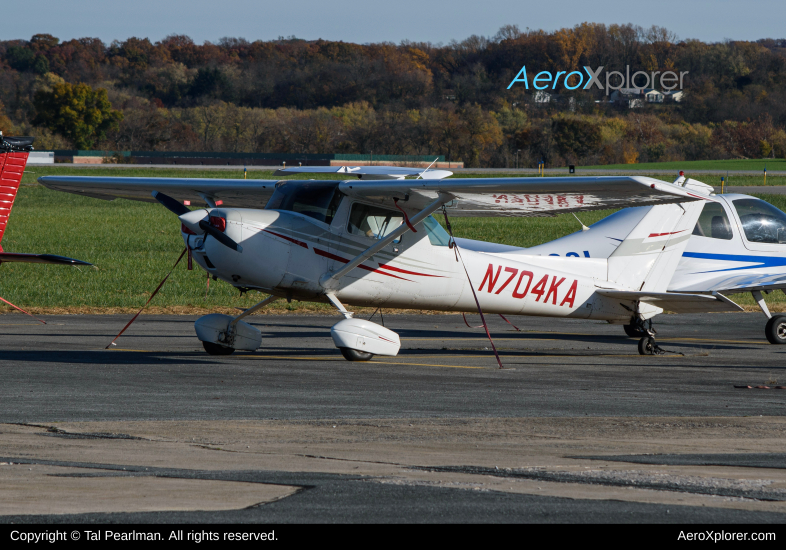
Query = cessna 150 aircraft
x=375 y=243
x=13 y=158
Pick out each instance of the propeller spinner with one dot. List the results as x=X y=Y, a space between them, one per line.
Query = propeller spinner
x=190 y=218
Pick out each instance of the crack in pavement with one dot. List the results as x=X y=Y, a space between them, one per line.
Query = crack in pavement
x=631 y=478
x=52 y=431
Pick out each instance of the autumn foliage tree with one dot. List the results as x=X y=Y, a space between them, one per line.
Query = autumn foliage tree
x=76 y=111
x=414 y=98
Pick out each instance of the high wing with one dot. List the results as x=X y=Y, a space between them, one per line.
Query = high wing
x=463 y=197
x=372 y=172
x=227 y=192
x=482 y=197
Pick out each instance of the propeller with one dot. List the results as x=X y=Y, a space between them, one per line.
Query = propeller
x=179 y=210
x=219 y=236
x=174 y=206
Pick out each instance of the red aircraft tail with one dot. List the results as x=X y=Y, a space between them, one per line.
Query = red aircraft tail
x=13 y=158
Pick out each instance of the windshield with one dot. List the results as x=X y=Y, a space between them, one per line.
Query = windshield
x=761 y=221
x=315 y=199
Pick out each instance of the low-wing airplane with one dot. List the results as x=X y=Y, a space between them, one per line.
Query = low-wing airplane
x=738 y=245
x=375 y=243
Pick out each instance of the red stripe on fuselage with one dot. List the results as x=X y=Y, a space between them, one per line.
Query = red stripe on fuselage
x=399 y=270
x=290 y=239
x=343 y=260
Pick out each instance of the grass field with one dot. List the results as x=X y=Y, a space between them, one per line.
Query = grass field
x=133 y=245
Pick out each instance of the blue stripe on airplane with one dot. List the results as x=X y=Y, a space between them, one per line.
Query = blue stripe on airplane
x=762 y=261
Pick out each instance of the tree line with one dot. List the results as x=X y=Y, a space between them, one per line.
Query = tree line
x=296 y=96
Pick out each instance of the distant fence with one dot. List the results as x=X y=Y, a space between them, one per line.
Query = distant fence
x=241 y=159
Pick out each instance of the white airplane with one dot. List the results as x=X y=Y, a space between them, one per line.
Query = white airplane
x=738 y=245
x=13 y=159
x=375 y=243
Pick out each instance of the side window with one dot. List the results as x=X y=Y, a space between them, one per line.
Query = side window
x=713 y=223
x=372 y=221
x=437 y=236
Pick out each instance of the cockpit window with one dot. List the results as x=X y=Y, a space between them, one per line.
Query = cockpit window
x=373 y=221
x=761 y=221
x=315 y=199
x=713 y=222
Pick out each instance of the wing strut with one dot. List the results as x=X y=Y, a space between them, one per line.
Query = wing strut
x=329 y=281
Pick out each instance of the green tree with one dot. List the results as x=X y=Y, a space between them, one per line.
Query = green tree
x=77 y=112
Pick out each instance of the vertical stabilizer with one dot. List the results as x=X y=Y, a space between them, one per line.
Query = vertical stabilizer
x=13 y=158
x=648 y=257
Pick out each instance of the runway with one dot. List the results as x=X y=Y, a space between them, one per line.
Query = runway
x=576 y=428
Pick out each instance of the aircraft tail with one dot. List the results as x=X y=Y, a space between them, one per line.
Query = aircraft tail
x=647 y=258
x=13 y=158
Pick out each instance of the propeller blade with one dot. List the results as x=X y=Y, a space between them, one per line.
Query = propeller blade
x=219 y=236
x=174 y=206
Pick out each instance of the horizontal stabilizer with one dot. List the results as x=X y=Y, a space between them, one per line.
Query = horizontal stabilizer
x=678 y=303
x=39 y=259
x=369 y=172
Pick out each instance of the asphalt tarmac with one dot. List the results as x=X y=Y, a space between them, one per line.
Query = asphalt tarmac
x=578 y=427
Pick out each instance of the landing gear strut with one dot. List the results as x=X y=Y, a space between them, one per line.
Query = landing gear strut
x=638 y=328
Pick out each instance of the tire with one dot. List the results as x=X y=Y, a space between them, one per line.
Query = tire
x=215 y=349
x=776 y=330
x=647 y=346
x=633 y=331
x=355 y=355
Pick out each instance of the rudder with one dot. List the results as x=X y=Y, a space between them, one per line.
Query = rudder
x=648 y=257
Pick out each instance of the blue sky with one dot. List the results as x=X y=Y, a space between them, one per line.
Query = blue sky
x=363 y=21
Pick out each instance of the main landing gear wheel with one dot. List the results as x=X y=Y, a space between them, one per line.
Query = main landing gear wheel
x=355 y=355
x=776 y=330
x=647 y=346
x=215 y=349
x=634 y=331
